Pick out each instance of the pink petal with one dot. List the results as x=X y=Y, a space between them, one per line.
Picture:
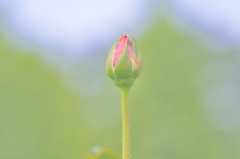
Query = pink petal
x=119 y=49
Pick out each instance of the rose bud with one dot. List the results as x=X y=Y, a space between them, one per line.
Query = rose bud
x=122 y=65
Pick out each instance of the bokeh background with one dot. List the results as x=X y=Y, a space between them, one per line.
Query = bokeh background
x=56 y=101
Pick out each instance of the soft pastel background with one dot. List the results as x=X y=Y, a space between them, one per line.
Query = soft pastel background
x=56 y=101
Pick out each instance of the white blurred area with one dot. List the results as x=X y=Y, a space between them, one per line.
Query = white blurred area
x=72 y=27
x=217 y=20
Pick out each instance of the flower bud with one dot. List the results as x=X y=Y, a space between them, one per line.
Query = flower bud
x=122 y=65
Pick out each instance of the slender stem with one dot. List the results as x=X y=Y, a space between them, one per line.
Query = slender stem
x=125 y=124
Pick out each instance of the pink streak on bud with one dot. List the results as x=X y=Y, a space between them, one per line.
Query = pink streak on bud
x=120 y=48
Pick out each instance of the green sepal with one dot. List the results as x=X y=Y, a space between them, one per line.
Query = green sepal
x=109 y=66
x=136 y=73
x=124 y=82
x=123 y=66
x=103 y=154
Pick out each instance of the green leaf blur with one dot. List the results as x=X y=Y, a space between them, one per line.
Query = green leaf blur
x=103 y=154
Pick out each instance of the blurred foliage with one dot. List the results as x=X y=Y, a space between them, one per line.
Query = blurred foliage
x=102 y=153
x=40 y=117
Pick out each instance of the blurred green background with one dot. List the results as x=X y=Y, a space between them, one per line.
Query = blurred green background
x=41 y=118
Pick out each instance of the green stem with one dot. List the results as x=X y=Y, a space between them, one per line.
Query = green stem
x=125 y=124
